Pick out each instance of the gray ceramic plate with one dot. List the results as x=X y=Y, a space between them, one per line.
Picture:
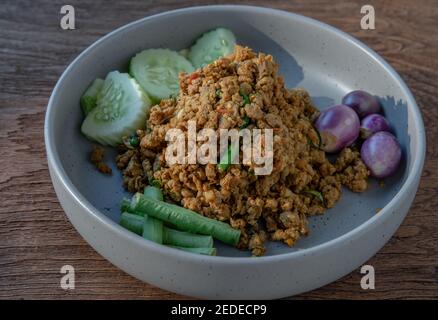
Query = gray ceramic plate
x=323 y=60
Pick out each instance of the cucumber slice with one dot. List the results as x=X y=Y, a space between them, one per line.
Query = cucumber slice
x=89 y=98
x=184 y=52
x=212 y=46
x=122 y=108
x=156 y=70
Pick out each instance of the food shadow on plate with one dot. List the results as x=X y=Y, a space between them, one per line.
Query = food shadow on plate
x=260 y=42
x=322 y=102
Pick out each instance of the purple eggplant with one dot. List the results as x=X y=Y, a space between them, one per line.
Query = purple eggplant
x=373 y=123
x=381 y=153
x=338 y=126
x=362 y=102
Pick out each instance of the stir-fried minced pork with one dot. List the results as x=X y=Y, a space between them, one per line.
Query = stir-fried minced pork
x=274 y=206
x=96 y=157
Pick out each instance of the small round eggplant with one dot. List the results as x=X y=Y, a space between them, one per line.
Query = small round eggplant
x=373 y=123
x=381 y=153
x=338 y=126
x=362 y=102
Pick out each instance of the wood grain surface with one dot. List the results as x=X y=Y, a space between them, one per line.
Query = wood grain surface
x=36 y=239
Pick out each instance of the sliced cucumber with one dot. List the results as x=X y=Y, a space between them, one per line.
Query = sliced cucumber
x=156 y=70
x=122 y=108
x=184 y=52
x=212 y=46
x=89 y=98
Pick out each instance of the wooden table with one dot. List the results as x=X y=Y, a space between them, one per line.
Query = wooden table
x=36 y=239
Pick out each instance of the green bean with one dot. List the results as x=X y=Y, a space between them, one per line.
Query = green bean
x=125 y=205
x=184 y=219
x=132 y=222
x=171 y=236
x=148 y=227
x=153 y=193
x=186 y=239
x=153 y=229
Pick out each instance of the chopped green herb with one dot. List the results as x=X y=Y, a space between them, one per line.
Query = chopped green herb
x=134 y=142
x=319 y=138
x=317 y=194
x=225 y=160
x=245 y=98
x=246 y=121
x=218 y=93
x=311 y=143
x=155 y=183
